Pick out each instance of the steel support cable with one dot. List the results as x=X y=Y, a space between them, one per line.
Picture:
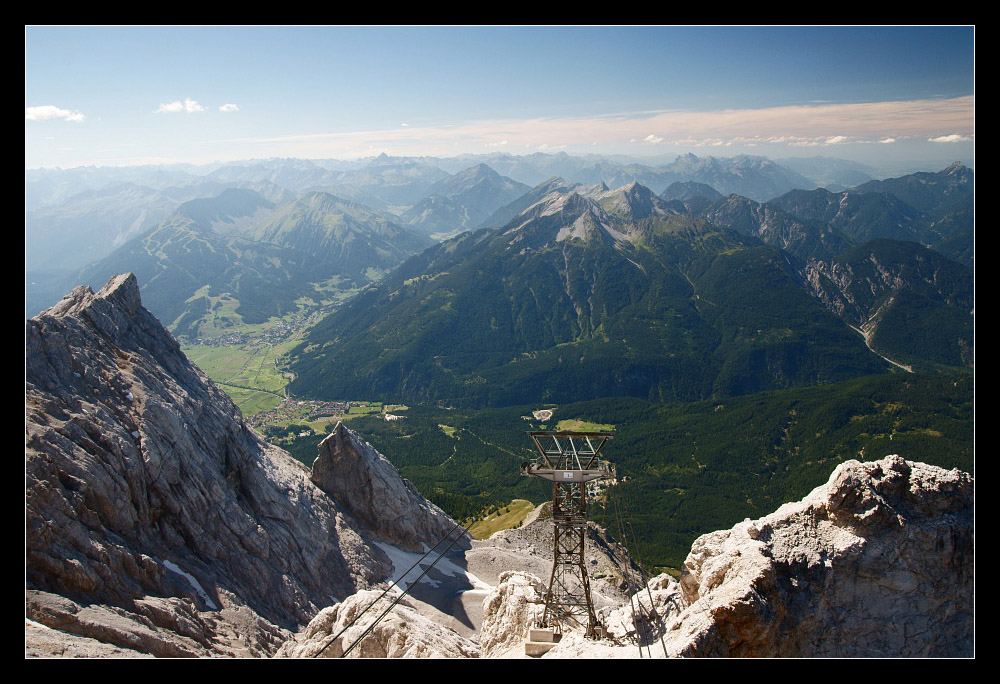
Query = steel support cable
x=386 y=591
x=627 y=573
x=447 y=535
x=404 y=593
x=401 y=577
x=645 y=580
x=623 y=503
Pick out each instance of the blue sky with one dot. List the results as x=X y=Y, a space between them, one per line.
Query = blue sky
x=129 y=95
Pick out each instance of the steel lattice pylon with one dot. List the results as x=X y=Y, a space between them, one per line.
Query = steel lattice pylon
x=569 y=460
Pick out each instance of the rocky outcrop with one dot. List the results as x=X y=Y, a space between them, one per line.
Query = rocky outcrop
x=41 y=641
x=364 y=483
x=403 y=633
x=508 y=611
x=878 y=562
x=156 y=520
x=171 y=627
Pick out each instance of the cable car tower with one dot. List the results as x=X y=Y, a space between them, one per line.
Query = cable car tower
x=569 y=461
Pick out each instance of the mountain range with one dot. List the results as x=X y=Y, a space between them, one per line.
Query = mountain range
x=822 y=223
x=462 y=201
x=605 y=293
x=84 y=213
x=743 y=345
x=612 y=276
x=588 y=291
x=188 y=268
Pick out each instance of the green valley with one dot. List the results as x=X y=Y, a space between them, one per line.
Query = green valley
x=684 y=468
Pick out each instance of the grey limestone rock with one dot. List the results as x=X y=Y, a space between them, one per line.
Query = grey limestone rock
x=403 y=633
x=150 y=499
x=878 y=562
x=364 y=483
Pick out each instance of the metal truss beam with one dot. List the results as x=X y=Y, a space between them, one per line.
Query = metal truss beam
x=569 y=460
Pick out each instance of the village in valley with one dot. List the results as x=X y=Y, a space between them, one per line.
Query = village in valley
x=295 y=417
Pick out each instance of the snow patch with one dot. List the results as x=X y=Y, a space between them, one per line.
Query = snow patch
x=195 y=584
x=403 y=560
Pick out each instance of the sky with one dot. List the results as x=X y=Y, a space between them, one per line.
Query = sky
x=115 y=96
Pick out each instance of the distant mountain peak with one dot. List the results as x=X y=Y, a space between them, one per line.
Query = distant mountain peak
x=483 y=168
x=631 y=202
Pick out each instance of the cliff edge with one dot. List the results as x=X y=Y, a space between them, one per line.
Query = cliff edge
x=156 y=519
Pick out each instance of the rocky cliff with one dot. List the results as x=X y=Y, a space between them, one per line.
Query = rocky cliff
x=878 y=562
x=156 y=520
x=363 y=481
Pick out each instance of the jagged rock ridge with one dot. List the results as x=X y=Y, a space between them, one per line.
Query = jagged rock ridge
x=156 y=519
x=363 y=481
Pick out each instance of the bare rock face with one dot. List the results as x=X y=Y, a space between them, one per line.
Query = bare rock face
x=403 y=633
x=877 y=562
x=643 y=619
x=41 y=641
x=364 y=483
x=508 y=611
x=152 y=509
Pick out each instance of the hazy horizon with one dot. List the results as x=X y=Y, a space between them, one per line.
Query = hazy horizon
x=878 y=168
x=888 y=97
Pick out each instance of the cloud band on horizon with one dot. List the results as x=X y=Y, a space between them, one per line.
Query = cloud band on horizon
x=801 y=125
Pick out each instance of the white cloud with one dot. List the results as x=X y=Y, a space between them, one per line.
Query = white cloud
x=229 y=108
x=887 y=141
x=799 y=125
x=44 y=112
x=188 y=105
x=496 y=144
x=954 y=137
x=652 y=139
